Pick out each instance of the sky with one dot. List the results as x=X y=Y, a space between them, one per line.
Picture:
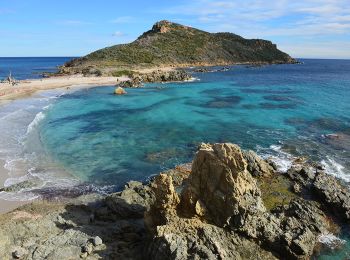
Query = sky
x=304 y=29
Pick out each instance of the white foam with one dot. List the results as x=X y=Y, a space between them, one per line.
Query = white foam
x=37 y=119
x=336 y=169
x=283 y=160
x=331 y=240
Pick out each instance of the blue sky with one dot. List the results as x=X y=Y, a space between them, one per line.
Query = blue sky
x=309 y=28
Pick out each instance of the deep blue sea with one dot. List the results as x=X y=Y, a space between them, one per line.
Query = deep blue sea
x=94 y=140
x=29 y=68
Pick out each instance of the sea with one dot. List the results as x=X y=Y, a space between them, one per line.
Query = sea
x=69 y=142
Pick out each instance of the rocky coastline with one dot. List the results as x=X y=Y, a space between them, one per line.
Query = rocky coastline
x=227 y=204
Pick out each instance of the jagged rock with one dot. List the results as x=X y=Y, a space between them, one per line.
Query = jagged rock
x=165 y=76
x=221 y=182
x=165 y=204
x=221 y=190
x=257 y=166
x=303 y=174
x=120 y=91
x=134 y=82
x=329 y=191
x=132 y=202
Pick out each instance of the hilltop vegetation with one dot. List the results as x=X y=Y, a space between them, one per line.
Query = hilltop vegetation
x=171 y=44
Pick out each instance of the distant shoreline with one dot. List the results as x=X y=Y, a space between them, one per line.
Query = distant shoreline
x=26 y=88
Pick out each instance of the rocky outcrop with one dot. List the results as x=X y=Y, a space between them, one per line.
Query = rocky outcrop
x=166 y=76
x=137 y=80
x=331 y=193
x=323 y=187
x=222 y=198
x=213 y=208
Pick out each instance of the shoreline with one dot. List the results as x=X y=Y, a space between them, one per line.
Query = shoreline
x=25 y=88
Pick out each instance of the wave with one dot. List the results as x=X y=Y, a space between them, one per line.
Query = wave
x=331 y=241
x=336 y=169
x=37 y=119
x=282 y=159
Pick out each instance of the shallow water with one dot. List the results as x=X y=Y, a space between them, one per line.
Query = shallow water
x=102 y=141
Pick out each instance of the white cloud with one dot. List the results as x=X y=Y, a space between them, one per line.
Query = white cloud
x=118 y=34
x=285 y=20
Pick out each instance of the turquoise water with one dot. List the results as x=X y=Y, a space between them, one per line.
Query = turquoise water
x=106 y=139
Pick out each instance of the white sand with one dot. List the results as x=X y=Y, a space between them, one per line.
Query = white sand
x=28 y=87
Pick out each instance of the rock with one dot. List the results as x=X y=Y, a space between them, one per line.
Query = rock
x=220 y=180
x=119 y=91
x=296 y=188
x=257 y=166
x=132 y=202
x=165 y=204
x=87 y=248
x=20 y=253
x=134 y=82
x=96 y=241
x=333 y=194
x=303 y=174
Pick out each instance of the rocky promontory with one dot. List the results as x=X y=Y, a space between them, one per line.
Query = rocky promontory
x=227 y=204
x=169 y=44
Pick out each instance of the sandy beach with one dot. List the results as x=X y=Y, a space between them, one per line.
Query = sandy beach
x=27 y=87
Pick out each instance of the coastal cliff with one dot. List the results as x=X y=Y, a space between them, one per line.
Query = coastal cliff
x=227 y=204
x=170 y=44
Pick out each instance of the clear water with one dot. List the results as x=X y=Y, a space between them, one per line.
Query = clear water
x=104 y=138
x=29 y=68
x=102 y=141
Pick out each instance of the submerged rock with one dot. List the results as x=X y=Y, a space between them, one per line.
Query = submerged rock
x=120 y=91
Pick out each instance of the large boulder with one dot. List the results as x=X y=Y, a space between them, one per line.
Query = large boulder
x=220 y=185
